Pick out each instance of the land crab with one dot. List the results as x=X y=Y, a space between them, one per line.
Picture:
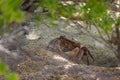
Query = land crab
x=71 y=47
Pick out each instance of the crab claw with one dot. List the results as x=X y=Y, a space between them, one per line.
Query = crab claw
x=73 y=52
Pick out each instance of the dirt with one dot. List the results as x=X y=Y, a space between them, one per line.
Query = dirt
x=53 y=66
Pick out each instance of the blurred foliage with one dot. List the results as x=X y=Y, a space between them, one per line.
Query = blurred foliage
x=118 y=22
x=94 y=11
x=52 y=6
x=55 y=9
x=68 y=11
x=4 y=71
x=3 y=68
x=97 y=12
x=12 y=76
x=10 y=12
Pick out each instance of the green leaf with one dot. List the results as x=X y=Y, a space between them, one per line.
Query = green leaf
x=15 y=5
x=3 y=68
x=10 y=11
x=12 y=76
x=94 y=9
x=1 y=21
x=52 y=6
x=118 y=21
x=68 y=11
x=106 y=23
x=17 y=17
x=54 y=24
